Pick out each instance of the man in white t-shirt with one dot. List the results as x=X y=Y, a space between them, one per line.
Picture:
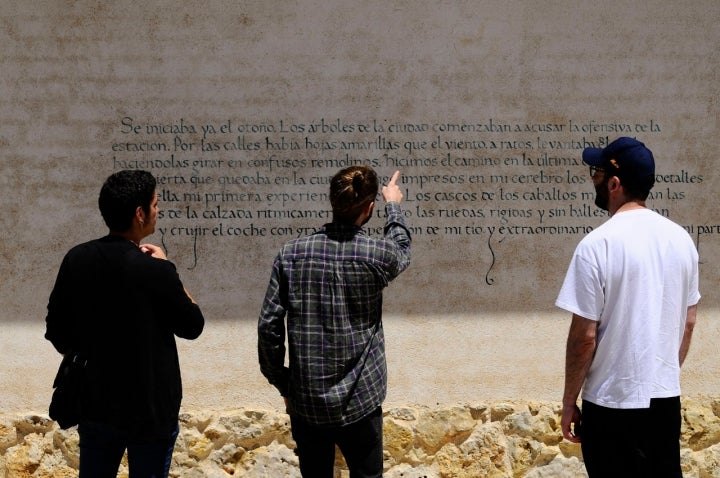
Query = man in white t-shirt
x=632 y=287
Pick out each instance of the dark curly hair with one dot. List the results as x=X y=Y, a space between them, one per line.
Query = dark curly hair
x=351 y=189
x=122 y=193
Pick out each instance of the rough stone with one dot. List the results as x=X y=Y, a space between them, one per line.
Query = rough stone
x=700 y=425
x=8 y=434
x=501 y=440
x=397 y=439
x=435 y=428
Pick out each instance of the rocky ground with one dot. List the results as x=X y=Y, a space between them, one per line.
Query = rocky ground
x=506 y=439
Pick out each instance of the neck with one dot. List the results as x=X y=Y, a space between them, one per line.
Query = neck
x=630 y=205
x=130 y=235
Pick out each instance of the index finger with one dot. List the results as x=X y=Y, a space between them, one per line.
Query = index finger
x=394 y=178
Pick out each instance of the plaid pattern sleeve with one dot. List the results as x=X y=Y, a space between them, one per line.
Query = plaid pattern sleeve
x=328 y=286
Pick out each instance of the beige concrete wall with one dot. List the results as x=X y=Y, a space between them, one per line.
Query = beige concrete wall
x=243 y=110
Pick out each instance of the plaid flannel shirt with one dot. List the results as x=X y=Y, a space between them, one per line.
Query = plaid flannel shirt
x=329 y=286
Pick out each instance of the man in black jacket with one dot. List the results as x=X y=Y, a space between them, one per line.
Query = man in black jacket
x=119 y=304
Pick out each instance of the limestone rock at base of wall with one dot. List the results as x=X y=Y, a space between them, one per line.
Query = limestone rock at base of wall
x=8 y=434
x=700 y=426
x=502 y=440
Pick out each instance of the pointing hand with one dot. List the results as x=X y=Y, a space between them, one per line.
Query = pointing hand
x=391 y=191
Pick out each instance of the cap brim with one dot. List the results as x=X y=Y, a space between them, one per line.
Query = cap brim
x=592 y=156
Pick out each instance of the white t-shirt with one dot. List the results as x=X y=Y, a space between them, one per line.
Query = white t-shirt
x=636 y=274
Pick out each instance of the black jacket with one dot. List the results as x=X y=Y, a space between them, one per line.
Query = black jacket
x=121 y=309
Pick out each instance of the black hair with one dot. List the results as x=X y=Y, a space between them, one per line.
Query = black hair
x=122 y=193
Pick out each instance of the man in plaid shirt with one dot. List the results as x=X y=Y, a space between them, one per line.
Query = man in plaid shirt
x=329 y=286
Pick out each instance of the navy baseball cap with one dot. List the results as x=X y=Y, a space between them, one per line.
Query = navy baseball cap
x=627 y=158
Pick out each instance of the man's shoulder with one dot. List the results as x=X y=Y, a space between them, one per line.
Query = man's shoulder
x=303 y=240
x=87 y=251
x=633 y=226
x=664 y=226
x=299 y=244
x=85 y=246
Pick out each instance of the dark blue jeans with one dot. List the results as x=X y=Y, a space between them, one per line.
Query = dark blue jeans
x=632 y=443
x=360 y=443
x=102 y=447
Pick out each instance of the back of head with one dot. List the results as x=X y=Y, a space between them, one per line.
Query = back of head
x=628 y=159
x=351 y=189
x=121 y=194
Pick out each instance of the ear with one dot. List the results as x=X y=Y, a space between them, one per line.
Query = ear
x=369 y=208
x=365 y=214
x=140 y=215
x=614 y=183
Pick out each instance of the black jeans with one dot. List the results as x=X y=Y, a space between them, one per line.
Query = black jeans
x=102 y=447
x=633 y=443
x=360 y=443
